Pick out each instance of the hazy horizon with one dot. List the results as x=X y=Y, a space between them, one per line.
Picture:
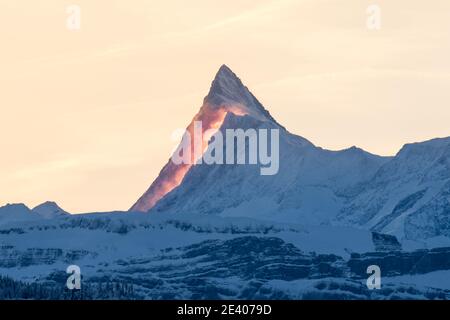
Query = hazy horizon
x=87 y=115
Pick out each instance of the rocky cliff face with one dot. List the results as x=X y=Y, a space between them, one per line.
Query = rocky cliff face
x=247 y=267
x=10 y=257
x=385 y=242
x=400 y=263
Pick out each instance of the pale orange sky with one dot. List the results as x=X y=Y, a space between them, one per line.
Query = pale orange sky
x=87 y=116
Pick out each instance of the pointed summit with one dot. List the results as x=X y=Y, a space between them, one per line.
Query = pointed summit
x=226 y=79
x=228 y=92
x=225 y=71
x=226 y=88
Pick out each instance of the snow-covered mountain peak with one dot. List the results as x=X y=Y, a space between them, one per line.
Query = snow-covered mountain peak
x=15 y=213
x=226 y=85
x=227 y=96
x=49 y=210
x=228 y=93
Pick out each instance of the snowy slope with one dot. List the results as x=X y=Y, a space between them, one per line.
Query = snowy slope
x=409 y=196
